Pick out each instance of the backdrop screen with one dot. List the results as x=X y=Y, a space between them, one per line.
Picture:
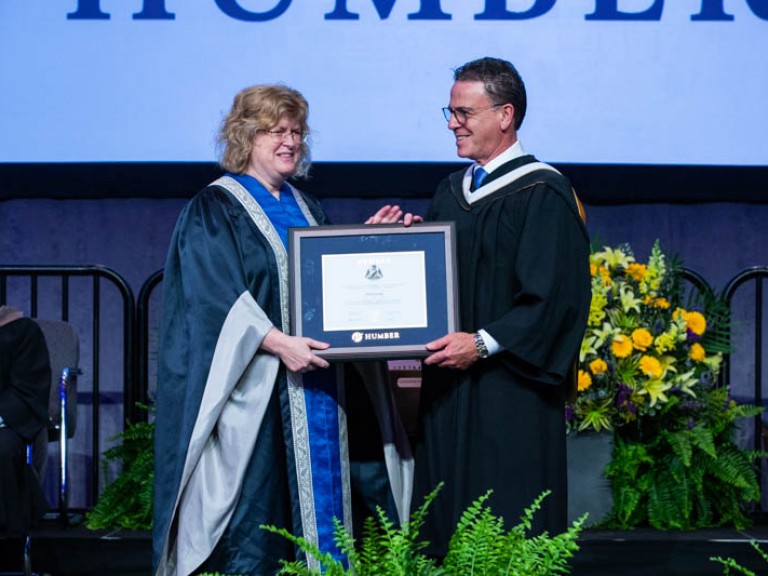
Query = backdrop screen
x=609 y=81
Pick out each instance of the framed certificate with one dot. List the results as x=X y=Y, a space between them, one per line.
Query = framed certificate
x=373 y=291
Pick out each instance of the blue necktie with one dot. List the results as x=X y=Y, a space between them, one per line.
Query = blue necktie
x=479 y=176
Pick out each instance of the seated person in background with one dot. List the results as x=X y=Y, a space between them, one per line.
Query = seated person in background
x=25 y=381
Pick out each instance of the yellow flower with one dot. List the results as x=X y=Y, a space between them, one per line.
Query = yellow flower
x=651 y=367
x=713 y=362
x=604 y=334
x=697 y=352
x=655 y=389
x=598 y=366
x=668 y=363
x=656 y=268
x=662 y=303
x=605 y=274
x=585 y=381
x=678 y=314
x=621 y=346
x=641 y=339
x=696 y=322
x=588 y=347
x=593 y=270
x=597 y=308
x=614 y=257
x=665 y=342
x=636 y=271
x=628 y=299
x=687 y=381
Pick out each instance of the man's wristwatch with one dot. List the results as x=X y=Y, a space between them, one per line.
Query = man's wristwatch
x=482 y=349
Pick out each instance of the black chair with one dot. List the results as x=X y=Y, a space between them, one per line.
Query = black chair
x=64 y=351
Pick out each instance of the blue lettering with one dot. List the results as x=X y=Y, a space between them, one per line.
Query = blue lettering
x=712 y=10
x=88 y=10
x=497 y=10
x=605 y=10
x=340 y=11
x=232 y=9
x=609 y=10
x=154 y=10
x=759 y=8
x=428 y=10
x=91 y=10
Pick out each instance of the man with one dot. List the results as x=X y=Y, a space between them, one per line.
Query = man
x=493 y=394
x=25 y=381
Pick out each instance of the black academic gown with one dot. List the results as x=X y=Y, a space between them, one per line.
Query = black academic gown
x=523 y=268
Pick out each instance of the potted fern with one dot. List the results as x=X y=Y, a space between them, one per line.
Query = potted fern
x=480 y=545
x=682 y=470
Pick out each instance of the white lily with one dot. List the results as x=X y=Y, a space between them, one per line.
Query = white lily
x=628 y=300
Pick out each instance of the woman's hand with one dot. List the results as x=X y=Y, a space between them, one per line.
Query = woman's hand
x=392 y=214
x=295 y=351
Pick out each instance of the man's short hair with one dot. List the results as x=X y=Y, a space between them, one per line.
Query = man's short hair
x=501 y=80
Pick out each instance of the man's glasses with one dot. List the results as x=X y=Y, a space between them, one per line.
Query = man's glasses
x=461 y=114
x=280 y=134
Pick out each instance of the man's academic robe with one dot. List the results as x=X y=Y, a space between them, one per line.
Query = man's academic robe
x=523 y=268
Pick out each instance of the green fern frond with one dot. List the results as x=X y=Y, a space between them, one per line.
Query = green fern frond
x=669 y=504
x=126 y=502
x=681 y=445
x=475 y=543
x=481 y=546
x=331 y=565
x=730 y=563
x=734 y=467
x=739 y=411
x=704 y=439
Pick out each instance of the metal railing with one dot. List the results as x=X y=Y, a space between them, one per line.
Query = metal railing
x=756 y=276
x=75 y=294
x=143 y=327
x=139 y=326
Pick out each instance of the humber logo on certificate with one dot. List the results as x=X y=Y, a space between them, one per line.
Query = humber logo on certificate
x=358 y=337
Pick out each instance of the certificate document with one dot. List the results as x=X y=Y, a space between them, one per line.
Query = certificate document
x=374 y=291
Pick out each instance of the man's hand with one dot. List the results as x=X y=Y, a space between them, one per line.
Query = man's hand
x=389 y=214
x=294 y=351
x=456 y=350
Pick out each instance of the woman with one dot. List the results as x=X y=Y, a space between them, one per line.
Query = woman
x=234 y=446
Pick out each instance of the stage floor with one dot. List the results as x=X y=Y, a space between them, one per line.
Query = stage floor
x=76 y=551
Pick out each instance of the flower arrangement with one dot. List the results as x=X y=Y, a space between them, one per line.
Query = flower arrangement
x=641 y=348
x=648 y=372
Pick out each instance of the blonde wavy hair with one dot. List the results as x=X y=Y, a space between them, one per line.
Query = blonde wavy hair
x=261 y=107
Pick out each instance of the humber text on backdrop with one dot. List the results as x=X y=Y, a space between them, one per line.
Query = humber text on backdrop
x=605 y=10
